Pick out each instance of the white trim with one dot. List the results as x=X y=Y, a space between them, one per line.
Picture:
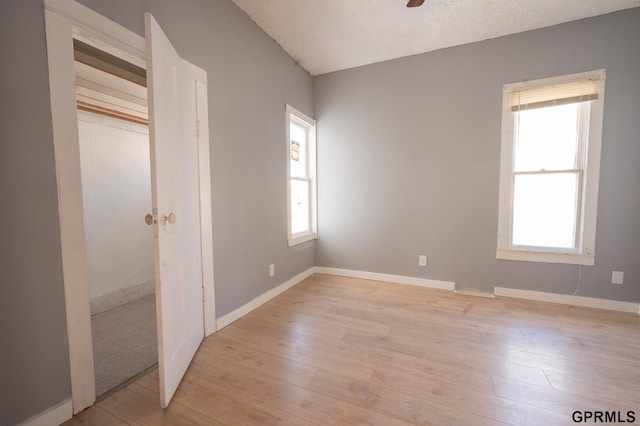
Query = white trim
x=398 y=279
x=548 y=257
x=100 y=32
x=311 y=150
x=567 y=299
x=67 y=160
x=243 y=310
x=302 y=238
x=52 y=416
x=121 y=296
x=584 y=253
x=206 y=224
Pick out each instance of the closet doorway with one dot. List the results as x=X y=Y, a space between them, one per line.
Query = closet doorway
x=180 y=219
x=113 y=135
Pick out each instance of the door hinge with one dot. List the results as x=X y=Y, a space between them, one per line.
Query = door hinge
x=198 y=129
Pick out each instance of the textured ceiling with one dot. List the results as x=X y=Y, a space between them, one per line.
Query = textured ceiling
x=331 y=35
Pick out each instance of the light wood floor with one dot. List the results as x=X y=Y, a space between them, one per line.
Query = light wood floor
x=336 y=350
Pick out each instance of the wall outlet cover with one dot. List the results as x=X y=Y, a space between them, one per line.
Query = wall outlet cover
x=617 y=277
x=422 y=260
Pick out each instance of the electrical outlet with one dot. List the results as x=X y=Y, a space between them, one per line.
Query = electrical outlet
x=617 y=277
x=422 y=260
x=272 y=270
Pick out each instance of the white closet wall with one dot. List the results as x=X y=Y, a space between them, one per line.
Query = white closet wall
x=116 y=191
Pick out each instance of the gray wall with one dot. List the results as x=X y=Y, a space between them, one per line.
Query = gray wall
x=33 y=346
x=408 y=154
x=250 y=79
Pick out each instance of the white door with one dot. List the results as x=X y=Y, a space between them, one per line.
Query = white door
x=175 y=190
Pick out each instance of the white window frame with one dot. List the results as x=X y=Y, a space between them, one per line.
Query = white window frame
x=584 y=252
x=310 y=124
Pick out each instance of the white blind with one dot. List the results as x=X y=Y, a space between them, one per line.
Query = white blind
x=558 y=94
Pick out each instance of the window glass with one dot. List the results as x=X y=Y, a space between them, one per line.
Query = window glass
x=544 y=210
x=300 y=218
x=298 y=148
x=547 y=138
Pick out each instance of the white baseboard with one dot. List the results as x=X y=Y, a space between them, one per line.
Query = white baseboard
x=121 y=296
x=243 y=310
x=567 y=299
x=399 y=279
x=53 y=416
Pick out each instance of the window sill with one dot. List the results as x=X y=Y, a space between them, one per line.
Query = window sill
x=546 y=257
x=299 y=239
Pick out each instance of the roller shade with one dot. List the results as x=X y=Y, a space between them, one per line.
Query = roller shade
x=559 y=94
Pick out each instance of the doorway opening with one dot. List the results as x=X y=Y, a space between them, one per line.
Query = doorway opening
x=69 y=20
x=113 y=137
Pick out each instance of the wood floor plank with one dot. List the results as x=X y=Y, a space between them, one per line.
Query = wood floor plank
x=318 y=321
x=269 y=392
x=337 y=350
x=243 y=356
x=323 y=409
x=300 y=323
x=150 y=381
x=399 y=405
x=481 y=404
x=94 y=416
x=427 y=352
x=551 y=399
x=299 y=353
x=138 y=405
x=596 y=388
x=228 y=406
x=446 y=372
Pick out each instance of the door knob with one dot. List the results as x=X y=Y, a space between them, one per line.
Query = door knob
x=171 y=219
x=148 y=219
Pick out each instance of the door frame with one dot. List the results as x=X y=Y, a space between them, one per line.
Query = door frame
x=65 y=20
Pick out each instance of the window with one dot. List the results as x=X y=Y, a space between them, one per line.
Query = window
x=549 y=169
x=301 y=177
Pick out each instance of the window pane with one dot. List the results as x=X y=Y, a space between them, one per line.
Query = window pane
x=547 y=138
x=298 y=150
x=544 y=210
x=300 y=218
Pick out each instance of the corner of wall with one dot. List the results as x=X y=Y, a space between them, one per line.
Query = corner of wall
x=53 y=416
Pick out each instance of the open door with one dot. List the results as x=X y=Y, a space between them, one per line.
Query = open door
x=181 y=185
x=173 y=130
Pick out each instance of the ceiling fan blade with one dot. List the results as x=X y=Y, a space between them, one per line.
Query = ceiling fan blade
x=415 y=3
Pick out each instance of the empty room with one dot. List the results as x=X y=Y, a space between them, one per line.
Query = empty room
x=353 y=212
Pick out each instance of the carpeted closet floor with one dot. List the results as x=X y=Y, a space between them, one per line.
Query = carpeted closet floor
x=125 y=343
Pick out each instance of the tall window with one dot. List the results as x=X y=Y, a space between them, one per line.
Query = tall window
x=301 y=177
x=550 y=165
